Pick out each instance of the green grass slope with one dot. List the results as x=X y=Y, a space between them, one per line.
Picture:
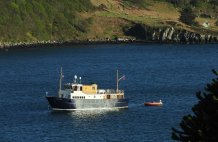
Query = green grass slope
x=25 y=20
x=63 y=20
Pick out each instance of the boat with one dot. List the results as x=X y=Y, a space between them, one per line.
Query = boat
x=153 y=103
x=77 y=96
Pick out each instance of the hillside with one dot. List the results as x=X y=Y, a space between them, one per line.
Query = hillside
x=65 y=20
x=24 y=20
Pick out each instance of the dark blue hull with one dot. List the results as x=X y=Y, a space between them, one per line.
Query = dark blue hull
x=83 y=104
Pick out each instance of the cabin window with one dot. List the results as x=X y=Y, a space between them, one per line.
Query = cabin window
x=75 y=88
x=81 y=88
x=119 y=96
x=93 y=88
x=108 y=96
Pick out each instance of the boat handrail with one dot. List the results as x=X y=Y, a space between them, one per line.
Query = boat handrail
x=109 y=91
x=112 y=91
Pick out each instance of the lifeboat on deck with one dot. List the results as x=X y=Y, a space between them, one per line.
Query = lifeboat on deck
x=153 y=103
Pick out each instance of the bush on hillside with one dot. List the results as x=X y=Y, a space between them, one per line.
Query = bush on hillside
x=137 y=30
x=216 y=23
x=180 y=3
x=185 y=3
x=188 y=16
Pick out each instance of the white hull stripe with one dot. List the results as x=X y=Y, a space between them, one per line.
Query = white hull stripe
x=88 y=108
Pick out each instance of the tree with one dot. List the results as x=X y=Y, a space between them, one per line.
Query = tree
x=216 y=23
x=188 y=16
x=180 y=3
x=215 y=2
x=202 y=126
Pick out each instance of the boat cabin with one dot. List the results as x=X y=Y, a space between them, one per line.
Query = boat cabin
x=87 y=89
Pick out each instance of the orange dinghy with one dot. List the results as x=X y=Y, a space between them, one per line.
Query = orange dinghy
x=153 y=103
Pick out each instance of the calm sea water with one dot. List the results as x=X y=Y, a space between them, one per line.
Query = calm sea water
x=172 y=73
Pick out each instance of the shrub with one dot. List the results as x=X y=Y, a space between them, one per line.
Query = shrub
x=202 y=126
x=188 y=16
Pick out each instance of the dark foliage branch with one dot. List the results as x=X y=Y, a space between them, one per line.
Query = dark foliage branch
x=203 y=124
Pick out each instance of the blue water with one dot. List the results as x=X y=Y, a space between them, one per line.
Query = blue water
x=172 y=73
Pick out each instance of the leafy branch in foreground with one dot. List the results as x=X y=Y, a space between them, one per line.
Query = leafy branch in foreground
x=203 y=124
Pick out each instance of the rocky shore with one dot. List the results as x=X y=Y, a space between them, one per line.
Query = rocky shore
x=138 y=34
x=38 y=44
x=170 y=35
x=182 y=36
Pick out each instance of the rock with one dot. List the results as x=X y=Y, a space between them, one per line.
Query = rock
x=170 y=34
x=154 y=36
x=164 y=35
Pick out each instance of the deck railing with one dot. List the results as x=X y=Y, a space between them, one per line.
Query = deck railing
x=110 y=91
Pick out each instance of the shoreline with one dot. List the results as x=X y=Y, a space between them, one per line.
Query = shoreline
x=23 y=45
x=69 y=43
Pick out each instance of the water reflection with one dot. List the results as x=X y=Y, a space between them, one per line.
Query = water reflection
x=81 y=114
x=92 y=113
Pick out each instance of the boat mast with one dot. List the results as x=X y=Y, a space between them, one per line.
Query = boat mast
x=118 y=79
x=117 y=82
x=60 y=81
